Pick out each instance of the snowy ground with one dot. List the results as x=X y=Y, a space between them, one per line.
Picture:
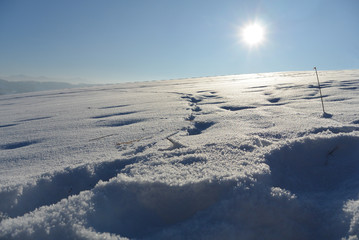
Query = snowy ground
x=233 y=157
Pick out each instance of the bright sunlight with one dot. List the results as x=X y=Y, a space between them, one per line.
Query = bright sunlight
x=253 y=34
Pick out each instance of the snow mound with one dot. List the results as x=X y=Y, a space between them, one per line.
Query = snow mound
x=137 y=209
x=323 y=174
x=52 y=187
x=317 y=164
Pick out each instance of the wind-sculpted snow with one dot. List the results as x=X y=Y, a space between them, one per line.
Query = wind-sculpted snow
x=149 y=207
x=236 y=108
x=320 y=171
x=125 y=202
x=118 y=123
x=58 y=185
x=328 y=164
x=18 y=144
x=230 y=157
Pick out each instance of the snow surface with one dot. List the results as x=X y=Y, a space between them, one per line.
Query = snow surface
x=12 y=87
x=230 y=157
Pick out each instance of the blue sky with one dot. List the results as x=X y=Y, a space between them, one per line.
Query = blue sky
x=132 y=40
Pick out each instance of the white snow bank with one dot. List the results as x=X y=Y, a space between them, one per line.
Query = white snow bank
x=323 y=173
x=308 y=192
x=51 y=188
x=317 y=164
x=145 y=198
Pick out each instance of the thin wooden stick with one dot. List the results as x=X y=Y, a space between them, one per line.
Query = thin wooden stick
x=320 y=91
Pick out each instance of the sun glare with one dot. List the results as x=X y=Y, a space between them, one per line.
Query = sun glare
x=253 y=34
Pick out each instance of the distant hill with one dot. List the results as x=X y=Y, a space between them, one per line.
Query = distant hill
x=10 y=87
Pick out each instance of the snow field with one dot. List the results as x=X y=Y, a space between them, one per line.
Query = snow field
x=233 y=157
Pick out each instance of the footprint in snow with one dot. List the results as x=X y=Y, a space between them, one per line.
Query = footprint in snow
x=236 y=108
x=273 y=100
x=16 y=145
x=199 y=127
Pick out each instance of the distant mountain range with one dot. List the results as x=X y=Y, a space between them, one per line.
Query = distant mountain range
x=10 y=87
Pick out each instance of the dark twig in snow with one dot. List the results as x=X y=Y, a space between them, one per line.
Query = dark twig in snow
x=330 y=153
x=94 y=139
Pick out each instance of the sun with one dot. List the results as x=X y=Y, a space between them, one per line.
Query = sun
x=253 y=34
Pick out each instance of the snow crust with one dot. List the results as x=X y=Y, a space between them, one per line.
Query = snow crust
x=229 y=157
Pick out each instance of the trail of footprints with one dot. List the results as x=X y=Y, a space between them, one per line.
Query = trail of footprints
x=198 y=126
x=62 y=184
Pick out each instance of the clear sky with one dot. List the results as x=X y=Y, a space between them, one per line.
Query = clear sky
x=108 y=41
